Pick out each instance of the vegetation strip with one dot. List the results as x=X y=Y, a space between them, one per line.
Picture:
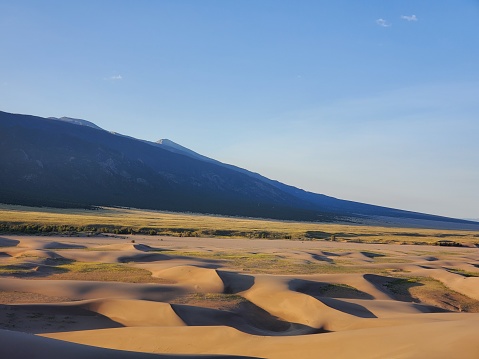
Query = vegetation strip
x=30 y=220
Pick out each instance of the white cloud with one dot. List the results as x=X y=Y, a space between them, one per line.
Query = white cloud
x=116 y=77
x=409 y=17
x=383 y=23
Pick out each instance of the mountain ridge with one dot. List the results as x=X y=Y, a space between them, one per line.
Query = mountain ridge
x=76 y=121
x=53 y=161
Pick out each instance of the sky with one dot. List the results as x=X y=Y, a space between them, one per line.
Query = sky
x=373 y=101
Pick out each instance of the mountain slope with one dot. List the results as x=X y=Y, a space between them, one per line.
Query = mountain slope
x=69 y=163
x=46 y=161
x=326 y=203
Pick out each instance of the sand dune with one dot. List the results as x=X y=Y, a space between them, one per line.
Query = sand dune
x=17 y=345
x=223 y=298
x=449 y=339
x=200 y=279
x=79 y=290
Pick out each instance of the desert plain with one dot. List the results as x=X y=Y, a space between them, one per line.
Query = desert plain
x=136 y=296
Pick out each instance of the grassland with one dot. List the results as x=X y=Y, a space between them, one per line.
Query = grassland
x=73 y=270
x=19 y=219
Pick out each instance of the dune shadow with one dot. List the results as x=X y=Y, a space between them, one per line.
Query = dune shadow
x=327 y=293
x=60 y=245
x=372 y=254
x=261 y=319
x=30 y=270
x=146 y=248
x=149 y=257
x=7 y=242
x=43 y=318
x=327 y=290
x=331 y=254
x=321 y=258
x=160 y=292
x=425 y=267
x=234 y=282
x=247 y=318
x=144 y=257
x=349 y=308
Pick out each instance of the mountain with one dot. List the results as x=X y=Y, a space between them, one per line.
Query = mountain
x=59 y=163
x=368 y=213
x=74 y=163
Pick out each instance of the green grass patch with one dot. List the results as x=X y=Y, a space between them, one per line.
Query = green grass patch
x=16 y=270
x=462 y=272
x=401 y=286
x=109 y=272
x=71 y=270
x=84 y=267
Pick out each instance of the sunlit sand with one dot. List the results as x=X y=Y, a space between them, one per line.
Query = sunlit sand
x=150 y=296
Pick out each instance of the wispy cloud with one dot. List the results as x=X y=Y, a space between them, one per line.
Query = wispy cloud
x=115 y=77
x=409 y=17
x=383 y=23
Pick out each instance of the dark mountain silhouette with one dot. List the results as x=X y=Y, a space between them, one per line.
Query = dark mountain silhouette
x=74 y=163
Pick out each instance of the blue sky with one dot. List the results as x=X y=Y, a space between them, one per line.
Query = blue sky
x=373 y=101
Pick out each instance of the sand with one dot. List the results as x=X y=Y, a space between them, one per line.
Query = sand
x=203 y=297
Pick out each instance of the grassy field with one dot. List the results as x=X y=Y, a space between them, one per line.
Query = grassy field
x=109 y=272
x=19 y=219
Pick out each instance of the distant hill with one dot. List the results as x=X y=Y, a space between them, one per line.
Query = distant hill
x=74 y=163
